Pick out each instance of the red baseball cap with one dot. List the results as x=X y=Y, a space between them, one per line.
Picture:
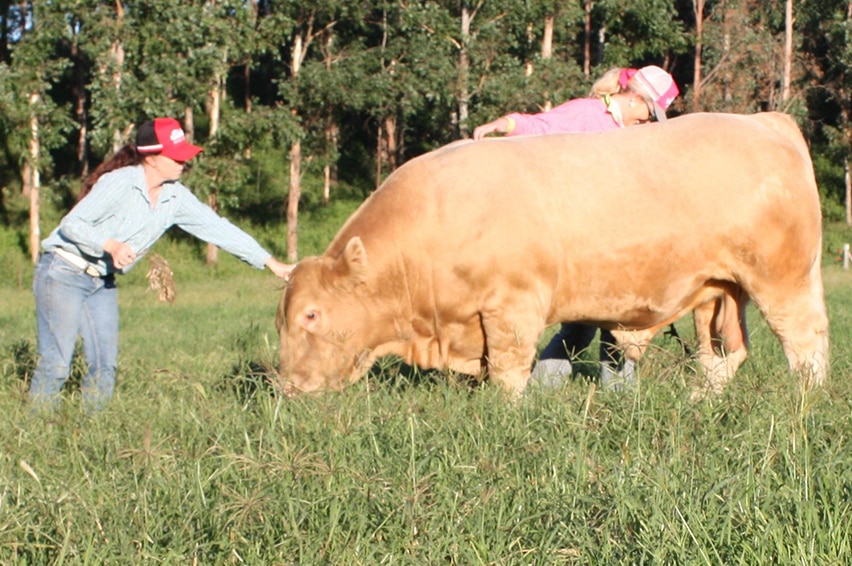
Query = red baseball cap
x=164 y=136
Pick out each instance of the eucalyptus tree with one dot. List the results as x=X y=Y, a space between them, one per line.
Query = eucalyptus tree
x=524 y=56
x=298 y=28
x=554 y=57
x=405 y=61
x=827 y=52
x=34 y=123
x=639 y=31
x=743 y=58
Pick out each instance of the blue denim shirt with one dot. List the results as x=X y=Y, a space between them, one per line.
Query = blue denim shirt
x=118 y=207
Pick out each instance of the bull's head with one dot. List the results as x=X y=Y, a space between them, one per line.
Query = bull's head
x=324 y=322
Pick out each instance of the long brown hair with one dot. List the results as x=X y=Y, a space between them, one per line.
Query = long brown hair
x=125 y=156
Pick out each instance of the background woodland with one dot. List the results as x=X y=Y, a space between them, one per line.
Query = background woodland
x=300 y=103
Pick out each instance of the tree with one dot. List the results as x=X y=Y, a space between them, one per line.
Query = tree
x=36 y=122
x=827 y=45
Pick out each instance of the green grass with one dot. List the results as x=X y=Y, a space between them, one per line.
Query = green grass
x=197 y=460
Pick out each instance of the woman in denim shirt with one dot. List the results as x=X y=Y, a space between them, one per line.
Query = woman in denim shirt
x=126 y=205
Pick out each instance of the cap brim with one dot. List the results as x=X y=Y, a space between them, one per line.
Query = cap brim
x=181 y=152
x=659 y=113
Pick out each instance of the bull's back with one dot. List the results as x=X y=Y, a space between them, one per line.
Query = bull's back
x=702 y=193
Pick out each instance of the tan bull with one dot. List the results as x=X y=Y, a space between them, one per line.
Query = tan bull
x=466 y=254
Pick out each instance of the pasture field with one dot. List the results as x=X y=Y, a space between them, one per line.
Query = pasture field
x=198 y=461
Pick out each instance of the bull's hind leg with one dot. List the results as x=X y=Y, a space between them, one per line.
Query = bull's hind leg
x=796 y=314
x=720 y=326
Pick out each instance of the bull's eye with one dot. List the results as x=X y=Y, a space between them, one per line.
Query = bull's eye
x=310 y=320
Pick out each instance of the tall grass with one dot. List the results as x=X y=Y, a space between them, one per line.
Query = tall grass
x=198 y=461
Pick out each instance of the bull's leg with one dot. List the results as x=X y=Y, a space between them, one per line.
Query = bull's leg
x=799 y=320
x=632 y=344
x=510 y=343
x=720 y=326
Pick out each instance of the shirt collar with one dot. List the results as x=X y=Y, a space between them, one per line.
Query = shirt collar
x=614 y=110
x=169 y=189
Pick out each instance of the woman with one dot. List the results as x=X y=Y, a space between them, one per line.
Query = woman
x=621 y=97
x=126 y=205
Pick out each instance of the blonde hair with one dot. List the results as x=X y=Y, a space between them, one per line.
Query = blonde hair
x=609 y=83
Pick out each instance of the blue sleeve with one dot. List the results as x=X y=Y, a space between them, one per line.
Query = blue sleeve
x=202 y=222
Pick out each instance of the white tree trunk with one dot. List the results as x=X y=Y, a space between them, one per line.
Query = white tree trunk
x=32 y=180
x=547 y=52
x=698 y=7
x=788 y=52
x=214 y=100
x=464 y=70
x=295 y=193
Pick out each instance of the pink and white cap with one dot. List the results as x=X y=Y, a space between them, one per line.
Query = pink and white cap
x=659 y=88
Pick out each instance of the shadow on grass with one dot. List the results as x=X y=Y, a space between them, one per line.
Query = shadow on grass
x=19 y=361
x=251 y=378
x=394 y=373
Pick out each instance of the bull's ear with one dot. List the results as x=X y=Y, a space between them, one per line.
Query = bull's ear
x=351 y=266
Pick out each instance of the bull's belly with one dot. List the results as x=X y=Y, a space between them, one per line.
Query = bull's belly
x=642 y=314
x=636 y=320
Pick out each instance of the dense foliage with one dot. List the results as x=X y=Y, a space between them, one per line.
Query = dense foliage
x=363 y=86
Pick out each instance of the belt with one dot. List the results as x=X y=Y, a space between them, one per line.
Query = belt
x=79 y=262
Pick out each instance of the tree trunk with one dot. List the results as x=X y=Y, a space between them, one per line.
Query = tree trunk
x=587 y=39
x=547 y=51
x=332 y=132
x=189 y=123
x=464 y=72
x=295 y=193
x=847 y=115
x=117 y=53
x=214 y=100
x=847 y=177
x=80 y=114
x=390 y=144
x=698 y=6
x=32 y=181
x=247 y=102
x=381 y=153
x=293 y=202
x=788 y=52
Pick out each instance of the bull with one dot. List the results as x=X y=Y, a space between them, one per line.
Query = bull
x=466 y=254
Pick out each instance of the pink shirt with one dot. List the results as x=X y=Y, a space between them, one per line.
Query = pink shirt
x=577 y=115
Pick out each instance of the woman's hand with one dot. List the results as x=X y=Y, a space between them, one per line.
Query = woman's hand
x=122 y=254
x=500 y=125
x=280 y=269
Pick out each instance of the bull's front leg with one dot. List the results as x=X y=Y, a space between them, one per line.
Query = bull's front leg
x=510 y=343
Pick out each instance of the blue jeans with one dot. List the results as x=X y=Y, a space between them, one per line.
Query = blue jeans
x=70 y=303
x=573 y=337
